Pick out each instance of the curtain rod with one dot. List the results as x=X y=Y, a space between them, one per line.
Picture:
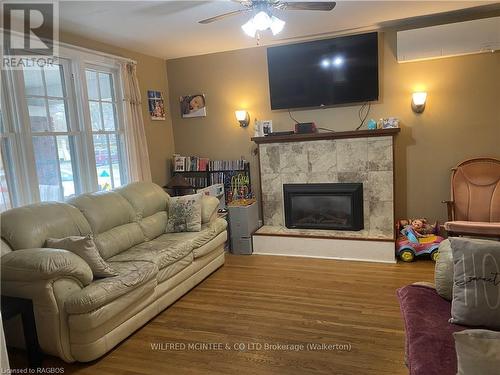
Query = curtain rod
x=95 y=52
x=78 y=48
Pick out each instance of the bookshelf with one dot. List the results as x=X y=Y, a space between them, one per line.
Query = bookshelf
x=217 y=172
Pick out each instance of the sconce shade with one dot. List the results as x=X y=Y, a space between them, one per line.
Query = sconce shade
x=418 y=101
x=243 y=118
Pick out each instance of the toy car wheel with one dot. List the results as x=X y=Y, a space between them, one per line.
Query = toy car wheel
x=407 y=256
x=435 y=255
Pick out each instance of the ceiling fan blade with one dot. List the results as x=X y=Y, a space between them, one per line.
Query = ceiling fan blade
x=222 y=16
x=309 y=5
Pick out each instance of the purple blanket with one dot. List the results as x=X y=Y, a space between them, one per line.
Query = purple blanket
x=430 y=348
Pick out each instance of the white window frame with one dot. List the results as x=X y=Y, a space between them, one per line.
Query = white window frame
x=119 y=113
x=27 y=135
x=24 y=183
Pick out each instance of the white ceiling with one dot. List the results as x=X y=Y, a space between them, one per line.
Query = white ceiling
x=169 y=29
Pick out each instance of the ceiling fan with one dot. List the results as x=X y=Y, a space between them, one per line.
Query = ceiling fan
x=263 y=13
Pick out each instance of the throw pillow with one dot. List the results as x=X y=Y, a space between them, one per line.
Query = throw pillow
x=443 y=272
x=478 y=352
x=184 y=214
x=85 y=248
x=476 y=282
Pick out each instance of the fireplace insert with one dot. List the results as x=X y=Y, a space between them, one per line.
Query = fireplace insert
x=336 y=206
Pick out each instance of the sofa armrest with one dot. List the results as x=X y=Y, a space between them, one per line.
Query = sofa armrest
x=44 y=264
x=209 y=206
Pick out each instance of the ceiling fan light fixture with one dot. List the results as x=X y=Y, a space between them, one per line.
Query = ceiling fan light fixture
x=276 y=25
x=249 y=28
x=262 y=21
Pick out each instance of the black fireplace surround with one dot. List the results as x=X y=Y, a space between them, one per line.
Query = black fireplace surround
x=337 y=206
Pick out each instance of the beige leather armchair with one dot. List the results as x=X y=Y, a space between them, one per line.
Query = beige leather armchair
x=474 y=208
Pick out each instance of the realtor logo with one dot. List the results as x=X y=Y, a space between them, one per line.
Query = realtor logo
x=29 y=30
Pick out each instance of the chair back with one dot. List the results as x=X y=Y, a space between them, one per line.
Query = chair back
x=475 y=190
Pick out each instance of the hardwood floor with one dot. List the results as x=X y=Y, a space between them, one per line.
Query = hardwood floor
x=273 y=300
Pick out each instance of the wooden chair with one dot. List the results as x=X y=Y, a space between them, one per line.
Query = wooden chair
x=474 y=208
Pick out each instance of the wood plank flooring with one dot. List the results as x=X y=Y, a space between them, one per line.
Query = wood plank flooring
x=273 y=300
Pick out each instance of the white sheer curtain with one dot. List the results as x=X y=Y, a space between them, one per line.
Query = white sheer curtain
x=135 y=136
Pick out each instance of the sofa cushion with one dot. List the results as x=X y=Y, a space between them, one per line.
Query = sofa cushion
x=29 y=226
x=477 y=228
x=100 y=292
x=174 y=268
x=208 y=232
x=150 y=205
x=443 y=272
x=104 y=210
x=430 y=349
x=112 y=220
x=162 y=251
x=184 y=214
x=211 y=245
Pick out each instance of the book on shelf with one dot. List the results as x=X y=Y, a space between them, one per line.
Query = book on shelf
x=227 y=165
x=179 y=163
x=189 y=163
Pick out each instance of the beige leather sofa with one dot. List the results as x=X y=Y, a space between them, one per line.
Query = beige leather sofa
x=78 y=318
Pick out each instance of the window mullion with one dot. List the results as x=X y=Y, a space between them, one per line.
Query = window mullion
x=46 y=100
x=86 y=127
x=58 y=162
x=110 y=162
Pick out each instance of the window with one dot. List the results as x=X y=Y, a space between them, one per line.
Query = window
x=106 y=131
x=52 y=130
x=5 y=199
x=61 y=129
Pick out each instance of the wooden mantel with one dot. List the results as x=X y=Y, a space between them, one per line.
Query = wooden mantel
x=326 y=135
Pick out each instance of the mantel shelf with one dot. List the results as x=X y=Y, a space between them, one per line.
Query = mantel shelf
x=327 y=135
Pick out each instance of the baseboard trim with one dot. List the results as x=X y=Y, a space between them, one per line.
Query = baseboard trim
x=327 y=248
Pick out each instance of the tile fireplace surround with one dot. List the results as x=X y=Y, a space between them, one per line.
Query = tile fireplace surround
x=354 y=157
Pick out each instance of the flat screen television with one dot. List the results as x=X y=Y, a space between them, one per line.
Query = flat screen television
x=324 y=72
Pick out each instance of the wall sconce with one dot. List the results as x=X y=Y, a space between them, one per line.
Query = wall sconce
x=418 y=101
x=243 y=118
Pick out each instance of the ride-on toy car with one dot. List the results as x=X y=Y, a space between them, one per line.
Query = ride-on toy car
x=412 y=243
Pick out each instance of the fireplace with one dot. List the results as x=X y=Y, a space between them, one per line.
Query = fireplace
x=336 y=206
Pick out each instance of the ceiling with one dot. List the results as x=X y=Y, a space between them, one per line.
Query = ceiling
x=169 y=29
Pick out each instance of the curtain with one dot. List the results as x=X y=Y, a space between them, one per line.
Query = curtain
x=135 y=136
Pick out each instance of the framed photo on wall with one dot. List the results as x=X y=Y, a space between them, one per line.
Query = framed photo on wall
x=193 y=106
x=156 y=105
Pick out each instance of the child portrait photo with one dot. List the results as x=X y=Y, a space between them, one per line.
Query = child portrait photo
x=193 y=106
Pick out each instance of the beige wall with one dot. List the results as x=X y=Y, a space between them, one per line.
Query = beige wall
x=152 y=75
x=461 y=120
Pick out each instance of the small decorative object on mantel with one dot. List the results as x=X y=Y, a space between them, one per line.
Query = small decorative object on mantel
x=417 y=237
x=267 y=126
x=388 y=123
x=371 y=124
x=193 y=106
x=156 y=105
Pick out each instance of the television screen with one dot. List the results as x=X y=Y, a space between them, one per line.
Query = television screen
x=324 y=72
